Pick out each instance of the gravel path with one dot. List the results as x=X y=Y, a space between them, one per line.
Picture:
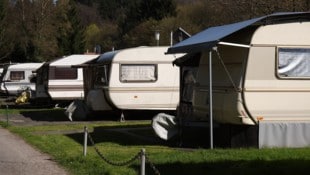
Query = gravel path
x=19 y=158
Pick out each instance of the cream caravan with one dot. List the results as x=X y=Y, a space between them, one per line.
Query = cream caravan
x=59 y=81
x=260 y=76
x=141 y=78
x=18 y=77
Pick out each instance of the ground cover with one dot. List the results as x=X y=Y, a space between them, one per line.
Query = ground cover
x=120 y=141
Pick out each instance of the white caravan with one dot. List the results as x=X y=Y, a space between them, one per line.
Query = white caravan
x=59 y=81
x=141 y=78
x=260 y=76
x=18 y=77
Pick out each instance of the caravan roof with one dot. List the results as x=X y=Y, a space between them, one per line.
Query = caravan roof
x=25 y=66
x=73 y=60
x=137 y=54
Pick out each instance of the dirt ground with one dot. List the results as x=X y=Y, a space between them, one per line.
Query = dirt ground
x=17 y=158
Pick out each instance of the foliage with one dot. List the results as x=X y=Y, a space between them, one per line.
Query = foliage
x=5 y=45
x=31 y=30
x=92 y=33
x=42 y=30
x=141 y=11
x=113 y=10
x=71 y=35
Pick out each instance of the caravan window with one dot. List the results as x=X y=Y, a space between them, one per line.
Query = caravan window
x=17 y=75
x=62 y=73
x=138 y=73
x=101 y=75
x=293 y=62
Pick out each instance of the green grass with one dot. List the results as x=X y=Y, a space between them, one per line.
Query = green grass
x=65 y=144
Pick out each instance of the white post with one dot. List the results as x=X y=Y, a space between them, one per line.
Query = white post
x=171 y=38
x=157 y=36
x=85 y=141
x=210 y=100
x=142 y=168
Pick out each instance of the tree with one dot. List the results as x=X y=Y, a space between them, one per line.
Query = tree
x=70 y=31
x=43 y=30
x=5 y=44
x=92 y=35
x=30 y=29
x=40 y=30
x=156 y=9
x=20 y=31
x=140 y=11
x=111 y=10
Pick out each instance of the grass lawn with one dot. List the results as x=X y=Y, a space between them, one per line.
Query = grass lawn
x=65 y=144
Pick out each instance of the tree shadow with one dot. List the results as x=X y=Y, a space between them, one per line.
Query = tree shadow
x=230 y=167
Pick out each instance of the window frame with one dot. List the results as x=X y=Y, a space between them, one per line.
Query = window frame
x=278 y=75
x=106 y=74
x=17 y=72
x=55 y=73
x=139 y=81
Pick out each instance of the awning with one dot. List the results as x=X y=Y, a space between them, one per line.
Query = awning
x=107 y=57
x=211 y=36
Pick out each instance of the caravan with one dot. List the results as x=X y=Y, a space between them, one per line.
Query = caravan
x=141 y=78
x=252 y=74
x=59 y=81
x=18 y=77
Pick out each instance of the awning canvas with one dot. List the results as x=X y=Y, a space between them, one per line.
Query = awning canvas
x=211 y=36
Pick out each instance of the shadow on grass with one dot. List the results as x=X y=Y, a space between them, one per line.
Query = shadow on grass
x=53 y=114
x=58 y=115
x=244 y=167
x=45 y=115
x=138 y=136
x=122 y=135
x=127 y=135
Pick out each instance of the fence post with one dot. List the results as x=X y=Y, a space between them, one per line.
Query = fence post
x=85 y=141
x=142 y=168
x=7 y=115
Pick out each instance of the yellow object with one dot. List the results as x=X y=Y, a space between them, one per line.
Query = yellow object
x=23 y=98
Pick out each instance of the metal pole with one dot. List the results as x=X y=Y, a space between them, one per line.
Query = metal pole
x=85 y=141
x=142 y=168
x=210 y=100
x=7 y=115
x=171 y=38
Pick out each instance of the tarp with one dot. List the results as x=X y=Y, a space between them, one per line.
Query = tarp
x=211 y=36
x=165 y=126
x=288 y=134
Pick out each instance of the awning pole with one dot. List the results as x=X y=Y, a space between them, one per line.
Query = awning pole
x=210 y=100
x=233 y=44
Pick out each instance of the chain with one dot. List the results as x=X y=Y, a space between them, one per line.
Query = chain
x=125 y=163
x=152 y=165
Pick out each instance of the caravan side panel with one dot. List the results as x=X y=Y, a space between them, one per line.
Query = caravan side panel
x=160 y=94
x=267 y=94
x=227 y=100
x=67 y=89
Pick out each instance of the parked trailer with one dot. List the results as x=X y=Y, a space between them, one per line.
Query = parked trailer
x=260 y=72
x=59 y=81
x=140 y=78
x=18 y=77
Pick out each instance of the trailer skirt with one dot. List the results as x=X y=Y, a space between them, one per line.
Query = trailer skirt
x=287 y=134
